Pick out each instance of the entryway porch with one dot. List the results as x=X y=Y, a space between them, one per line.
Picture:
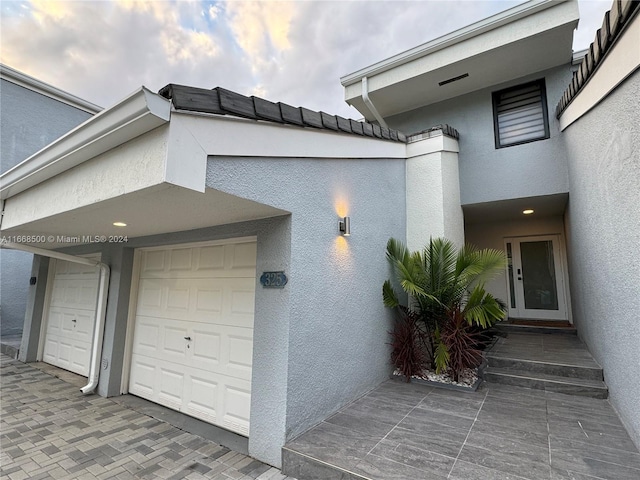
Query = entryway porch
x=401 y=431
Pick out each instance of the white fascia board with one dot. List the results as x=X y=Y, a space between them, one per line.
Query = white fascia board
x=579 y=56
x=233 y=136
x=139 y=113
x=23 y=80
x=439 y=143
x=621 y=61
x=458 y=36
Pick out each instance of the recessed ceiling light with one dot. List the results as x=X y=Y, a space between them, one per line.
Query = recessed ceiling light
x=119 y=224
x=527 y=211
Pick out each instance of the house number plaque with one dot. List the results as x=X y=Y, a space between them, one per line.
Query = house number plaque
x=273 y=279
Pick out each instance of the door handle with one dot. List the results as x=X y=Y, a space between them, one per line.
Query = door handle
x=187 y=338
x=74 y=320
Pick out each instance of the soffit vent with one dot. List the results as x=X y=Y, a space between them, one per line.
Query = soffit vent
x=454 y=79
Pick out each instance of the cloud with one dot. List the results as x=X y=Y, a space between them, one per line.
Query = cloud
x=261 y=29
x=102 y=51
x=293 y=52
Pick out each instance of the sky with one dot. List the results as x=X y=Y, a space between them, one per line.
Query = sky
x=294 y=52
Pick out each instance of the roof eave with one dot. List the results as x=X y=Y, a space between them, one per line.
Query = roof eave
x=458 y=36
x=138 y=113
x=23 y=80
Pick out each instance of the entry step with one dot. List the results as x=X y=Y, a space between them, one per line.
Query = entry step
x=544 y=381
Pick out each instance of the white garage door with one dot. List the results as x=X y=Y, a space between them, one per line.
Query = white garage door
x=193 y=334
x=71 y=316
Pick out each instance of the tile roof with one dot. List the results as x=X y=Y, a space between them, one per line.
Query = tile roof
x=220 y=101
x=614 y=23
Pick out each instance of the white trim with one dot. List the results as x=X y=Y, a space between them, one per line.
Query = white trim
x=45 y=311
x=458 y=36
x=131 y=318
x=622 y=60
x=139 y=113
x=203 y=243
x=23 y=80
x=579 y=56
x=228 y=136
x=437 y=143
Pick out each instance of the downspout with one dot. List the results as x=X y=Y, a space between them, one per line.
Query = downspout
x=101 y=309
x=367 y=101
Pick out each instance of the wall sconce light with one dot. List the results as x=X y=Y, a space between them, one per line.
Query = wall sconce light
x=345 y=226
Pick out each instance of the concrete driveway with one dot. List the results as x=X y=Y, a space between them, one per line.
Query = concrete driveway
x=48 y=429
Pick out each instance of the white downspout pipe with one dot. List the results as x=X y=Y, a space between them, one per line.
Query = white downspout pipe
x=101 y=309
x=367 y=101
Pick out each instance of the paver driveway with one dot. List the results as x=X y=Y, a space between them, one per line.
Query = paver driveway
x=48 y=429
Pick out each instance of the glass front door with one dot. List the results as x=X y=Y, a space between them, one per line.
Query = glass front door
x=536 y=278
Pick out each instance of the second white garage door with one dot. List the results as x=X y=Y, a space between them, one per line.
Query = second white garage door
x=71 y=315
x=193 y=335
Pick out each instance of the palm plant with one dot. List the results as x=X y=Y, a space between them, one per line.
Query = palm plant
x=445 y=289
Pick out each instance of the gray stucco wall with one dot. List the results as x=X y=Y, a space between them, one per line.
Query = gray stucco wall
x=337 y=324
x=603 y=225
x=28 y=122
x=489 y=174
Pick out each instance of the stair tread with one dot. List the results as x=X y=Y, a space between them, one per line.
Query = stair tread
x=546 y=377
x=543 y=362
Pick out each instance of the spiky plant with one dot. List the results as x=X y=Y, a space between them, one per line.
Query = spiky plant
x=445 y=288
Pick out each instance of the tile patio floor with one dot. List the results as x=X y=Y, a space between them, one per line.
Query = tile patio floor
x=48 y=429
x=409 y=431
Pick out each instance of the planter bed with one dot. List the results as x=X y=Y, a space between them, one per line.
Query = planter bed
x=470 y=384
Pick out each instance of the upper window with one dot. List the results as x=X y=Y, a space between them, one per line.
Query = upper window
x=520 y=114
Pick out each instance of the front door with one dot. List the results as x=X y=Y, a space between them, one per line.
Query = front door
x=536 y=278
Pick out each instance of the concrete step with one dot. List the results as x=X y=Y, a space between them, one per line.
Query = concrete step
x=544 y=381
x=557 y=369
x=506 y=327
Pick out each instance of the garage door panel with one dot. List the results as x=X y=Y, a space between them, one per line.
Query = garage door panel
x=228 y=301
x=67 y=324
x=143 y=377
x=210 y=258
x=74 y=293
x=171 y=386
x=238 y=354
x=149 y=296
x=201 y=394
x=236 y=407
x=180 y=259
x=64 y=353
x=54 y=325
x=178 y=299
x=174 y=343
x=78 y=354
x=146 y=337
x=243 y=256
x=208 y=300
x=193 y=337
x=51 y=347
x=206 y=346
x=153 y=261
x=234 y=260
